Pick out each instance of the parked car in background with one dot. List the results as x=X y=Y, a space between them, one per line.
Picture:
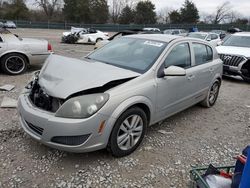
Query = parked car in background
x=108 y=99
x=123 y=33
x=1 y=24
x=221 y=33
x=180 y=32
x=212 y=38
x=82 y=35
x=234 y=30
x=235 y=53
x=117 y=35
x=17 y=53
x=9 y=24
x=152 y=29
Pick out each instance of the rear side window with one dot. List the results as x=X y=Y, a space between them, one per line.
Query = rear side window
x=203 y=53
x=179 y=56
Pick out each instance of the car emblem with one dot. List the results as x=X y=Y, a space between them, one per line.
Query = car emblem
x=227 y=58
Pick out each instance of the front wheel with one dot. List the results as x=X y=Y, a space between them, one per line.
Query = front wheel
x=212 y=95
x=128 y=132
x=14 y=64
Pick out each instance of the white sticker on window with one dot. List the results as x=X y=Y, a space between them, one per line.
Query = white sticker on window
x=153 y=43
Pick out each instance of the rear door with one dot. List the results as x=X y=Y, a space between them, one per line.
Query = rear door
x=203 y=68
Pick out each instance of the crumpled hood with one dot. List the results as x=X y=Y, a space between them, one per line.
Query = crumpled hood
x=232 y=50
x=61 y=76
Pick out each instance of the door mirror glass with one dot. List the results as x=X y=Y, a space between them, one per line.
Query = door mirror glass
x=174 y=71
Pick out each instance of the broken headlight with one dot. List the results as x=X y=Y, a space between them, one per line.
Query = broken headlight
x=82 y=106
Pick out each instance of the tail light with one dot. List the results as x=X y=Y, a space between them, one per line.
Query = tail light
x=49 y=47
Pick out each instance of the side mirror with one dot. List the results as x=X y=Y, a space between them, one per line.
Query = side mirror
x=209 y=39
x=174 y=71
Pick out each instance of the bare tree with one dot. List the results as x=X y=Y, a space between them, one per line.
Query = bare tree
x=223 y=13
x=49 y=6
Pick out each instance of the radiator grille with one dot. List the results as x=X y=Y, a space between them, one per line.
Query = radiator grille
x=231 y=60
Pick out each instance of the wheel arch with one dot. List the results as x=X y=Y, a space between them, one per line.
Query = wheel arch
x=137 y=101
x=12 y=52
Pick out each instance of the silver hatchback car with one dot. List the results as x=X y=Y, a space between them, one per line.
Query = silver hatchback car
x=108 y=99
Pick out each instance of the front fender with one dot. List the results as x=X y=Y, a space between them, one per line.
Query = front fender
x=122 y=108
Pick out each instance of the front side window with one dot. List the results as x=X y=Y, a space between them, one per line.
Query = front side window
x=179 y=56
x=203 y=53
x=130 y=53
x=1 y=40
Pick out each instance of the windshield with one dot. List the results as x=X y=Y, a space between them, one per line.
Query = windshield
x=129 y=53
x=197 y=35
x=239 y=41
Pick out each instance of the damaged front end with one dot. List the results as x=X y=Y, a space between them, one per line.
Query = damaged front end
x=40 y=98
x=82 y=104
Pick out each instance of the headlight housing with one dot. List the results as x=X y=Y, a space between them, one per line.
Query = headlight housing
x=82 y=106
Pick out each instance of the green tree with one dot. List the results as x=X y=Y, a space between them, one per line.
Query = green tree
x=127 y=15
x=77 y=10
x=145 y=13
x=16 y=9
x=99 y=11
x=175 y=17
x=189 y=12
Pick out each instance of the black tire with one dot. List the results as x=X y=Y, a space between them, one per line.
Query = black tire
x=99 y=39
x=14 y=64
x=208 y=101
x=245 y=71
x=113 y=146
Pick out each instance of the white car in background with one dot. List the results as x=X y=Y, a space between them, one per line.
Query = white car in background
x=235 y=54
x=17 y=53
x=82 y=35
x=180 y=32
x=212 y=38
x=151 y=29
x=9 y=24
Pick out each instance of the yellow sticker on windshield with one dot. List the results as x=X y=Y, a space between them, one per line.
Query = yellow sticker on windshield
x=153 y=43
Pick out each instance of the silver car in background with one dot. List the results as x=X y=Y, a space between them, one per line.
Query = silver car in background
x=108 y=99
x=17 y=53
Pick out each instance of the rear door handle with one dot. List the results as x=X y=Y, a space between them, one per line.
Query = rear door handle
x=191 y=77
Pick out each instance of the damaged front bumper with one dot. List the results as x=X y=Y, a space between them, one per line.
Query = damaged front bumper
x=73 y=135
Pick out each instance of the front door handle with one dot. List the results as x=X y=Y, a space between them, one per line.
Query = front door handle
x=211 y=69
x=191 y=77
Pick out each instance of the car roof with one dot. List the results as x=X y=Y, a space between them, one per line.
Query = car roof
x=156 y=37
x=242 y=34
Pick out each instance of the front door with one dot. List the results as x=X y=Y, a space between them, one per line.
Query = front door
x=174 y=92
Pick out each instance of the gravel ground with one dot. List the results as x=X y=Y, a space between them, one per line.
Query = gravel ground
x=197 y=136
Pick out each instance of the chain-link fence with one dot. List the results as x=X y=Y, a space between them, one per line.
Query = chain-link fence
x=119 y=27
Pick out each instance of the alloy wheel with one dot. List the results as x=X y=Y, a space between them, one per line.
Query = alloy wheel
x=130 y=132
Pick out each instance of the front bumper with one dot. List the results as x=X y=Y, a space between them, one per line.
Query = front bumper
x=44 y=126
x=231 y=70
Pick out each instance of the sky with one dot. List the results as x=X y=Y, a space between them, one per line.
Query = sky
x=204 y=6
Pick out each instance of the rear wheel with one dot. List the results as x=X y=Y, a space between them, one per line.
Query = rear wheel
x=128 y=132
x=14 y=64
x=212 y=95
